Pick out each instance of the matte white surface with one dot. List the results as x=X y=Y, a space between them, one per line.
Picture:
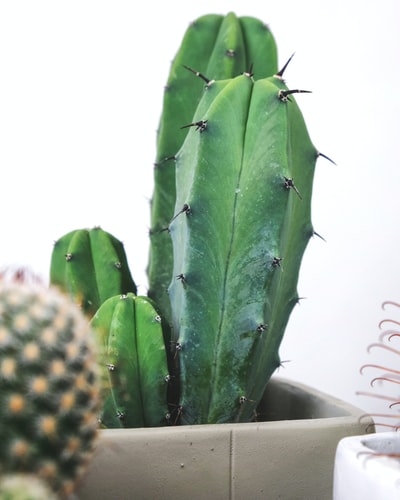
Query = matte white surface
x=80 y=96
x=361 y=474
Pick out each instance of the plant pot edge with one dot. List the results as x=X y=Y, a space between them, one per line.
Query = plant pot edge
x=223 y=460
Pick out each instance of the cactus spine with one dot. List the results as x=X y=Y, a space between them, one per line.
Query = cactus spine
x=49 y=398
x=216 y=45
x=90 y=265
x=238 y=243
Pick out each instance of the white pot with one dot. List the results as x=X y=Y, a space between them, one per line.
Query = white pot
x=290 y=456
x=364 y=471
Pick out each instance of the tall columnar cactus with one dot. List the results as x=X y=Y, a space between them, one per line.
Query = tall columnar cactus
x=49 y=381
x=215 y=45
x=242 y=221
x=90 y=265
x=133 y=356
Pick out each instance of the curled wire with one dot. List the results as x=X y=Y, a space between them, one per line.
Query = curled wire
x=387 y=374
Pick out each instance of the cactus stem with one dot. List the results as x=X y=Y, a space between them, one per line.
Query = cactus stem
x=289 y=184
x=326 y=157
x=200 y=75
x=201 y=125
x=283 y=95
x=282 y=70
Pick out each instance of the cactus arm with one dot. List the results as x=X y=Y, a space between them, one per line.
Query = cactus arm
x=202 y=239
x=255 y=246
x=296 y=231
x=233 y=297
x=181 y=96
x=218 y=47
x=133 y=356
x=91 y=266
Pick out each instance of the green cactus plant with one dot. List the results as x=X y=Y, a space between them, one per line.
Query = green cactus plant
x=231 y=219
x=49 y=380
x=215 y=45
x=90 y=265
x=134 y=359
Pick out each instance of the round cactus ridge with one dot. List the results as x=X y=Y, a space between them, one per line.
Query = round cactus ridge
x=49 y=385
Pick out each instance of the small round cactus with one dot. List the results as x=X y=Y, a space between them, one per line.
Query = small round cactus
x=49 y=384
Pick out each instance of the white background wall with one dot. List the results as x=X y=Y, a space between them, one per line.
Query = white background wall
x=80 y=96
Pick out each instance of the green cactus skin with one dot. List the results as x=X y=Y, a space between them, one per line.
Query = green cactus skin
x=50 y=385
x=133 y=355
x=91 y=266
x=219 y=47
x=242 y=222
